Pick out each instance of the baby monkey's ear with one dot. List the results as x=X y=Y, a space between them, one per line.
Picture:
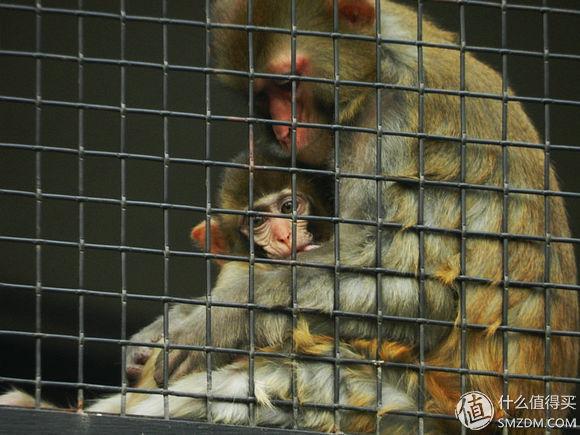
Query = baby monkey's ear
x=218 y=241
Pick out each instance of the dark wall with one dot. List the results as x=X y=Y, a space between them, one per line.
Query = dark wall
x=144 y=134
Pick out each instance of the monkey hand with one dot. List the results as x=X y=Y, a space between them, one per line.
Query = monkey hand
x=188 y=328
x=229 y=325
x=180 y=362
x=137 y=356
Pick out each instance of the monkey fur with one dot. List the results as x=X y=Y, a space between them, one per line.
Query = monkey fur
x=272 y=390
x=498 y=283
x=437 y=305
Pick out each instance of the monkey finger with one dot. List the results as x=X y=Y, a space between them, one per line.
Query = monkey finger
x=135 y=361
x=134 y=372
x=138 y=355
x=141 y=355
x=186 y=367
x=174 y=359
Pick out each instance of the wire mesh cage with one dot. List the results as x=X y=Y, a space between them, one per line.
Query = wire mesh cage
x=384 y=215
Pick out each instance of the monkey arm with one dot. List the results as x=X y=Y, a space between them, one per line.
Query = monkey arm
x=229 y=325
x=138 y=355
x=186 y=323
x=315 y=301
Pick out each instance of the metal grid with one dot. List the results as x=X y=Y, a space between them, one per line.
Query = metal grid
x=208 y=163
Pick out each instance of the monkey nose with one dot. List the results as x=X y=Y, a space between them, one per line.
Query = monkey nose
x=286 y=239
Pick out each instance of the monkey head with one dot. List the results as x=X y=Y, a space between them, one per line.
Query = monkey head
x=271 y=215
x=272 y=231
x=273 y=234
x=310 y=57
x=272 y=228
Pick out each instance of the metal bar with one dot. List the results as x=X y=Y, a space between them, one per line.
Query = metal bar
x=41 y=241
x=380 y=215
x=252 y=256
x=399 y=179
x=505 y=206
x=38 y=205
x=386 y=365
x=341 y=268
x=421 y=215
x=23 y=421
x=293 y=270
x=81 y=208
x=264 y=308
x=208 y=234
x=209 y=427
x=547 y=214
x=306 y=79
x=166 y=178
x=463 y=206
x=337 y=205
x=345 y=35
x=123 y=204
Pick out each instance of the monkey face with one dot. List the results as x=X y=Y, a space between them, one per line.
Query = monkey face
x=301 y=69
x=279 y=98
x=273 y=234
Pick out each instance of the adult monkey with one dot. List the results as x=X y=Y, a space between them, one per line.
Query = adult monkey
x=498 y=274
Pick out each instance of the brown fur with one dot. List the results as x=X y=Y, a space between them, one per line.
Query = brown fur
x=446 y=286
x=525 y=212
x=443 y=292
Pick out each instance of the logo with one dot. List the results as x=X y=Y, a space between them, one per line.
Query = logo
x=474 y=410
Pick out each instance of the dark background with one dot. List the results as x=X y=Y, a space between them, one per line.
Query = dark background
x=144 y=179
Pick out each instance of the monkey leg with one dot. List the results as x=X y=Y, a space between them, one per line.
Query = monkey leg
x=273 y=379
x=21 y=399
x=358 y=410
x=273 y=392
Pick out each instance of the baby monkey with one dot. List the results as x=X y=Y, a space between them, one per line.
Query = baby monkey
x=271 y=216
x=271 y=212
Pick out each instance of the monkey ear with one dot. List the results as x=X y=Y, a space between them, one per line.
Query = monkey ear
x=355 y=12
x=218 y=241
x=198 y=235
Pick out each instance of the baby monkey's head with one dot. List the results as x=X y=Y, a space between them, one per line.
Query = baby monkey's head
x=269 y=222
x=273 y=234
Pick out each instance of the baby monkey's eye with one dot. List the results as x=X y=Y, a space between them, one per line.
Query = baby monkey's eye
x=259 y=221
x=286 y=207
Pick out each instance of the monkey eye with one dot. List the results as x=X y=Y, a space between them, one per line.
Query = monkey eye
x=259 y=221
x=286 y=207
x=285 y=85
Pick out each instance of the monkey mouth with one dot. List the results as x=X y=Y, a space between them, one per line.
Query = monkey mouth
x=288 y=252
x=310 y=247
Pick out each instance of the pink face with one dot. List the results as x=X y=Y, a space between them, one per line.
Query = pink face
x=279 y=102
x=313 y=145
x=308 y=97
x=274 y=234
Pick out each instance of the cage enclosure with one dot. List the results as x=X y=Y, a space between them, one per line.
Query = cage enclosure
x=329 y=215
